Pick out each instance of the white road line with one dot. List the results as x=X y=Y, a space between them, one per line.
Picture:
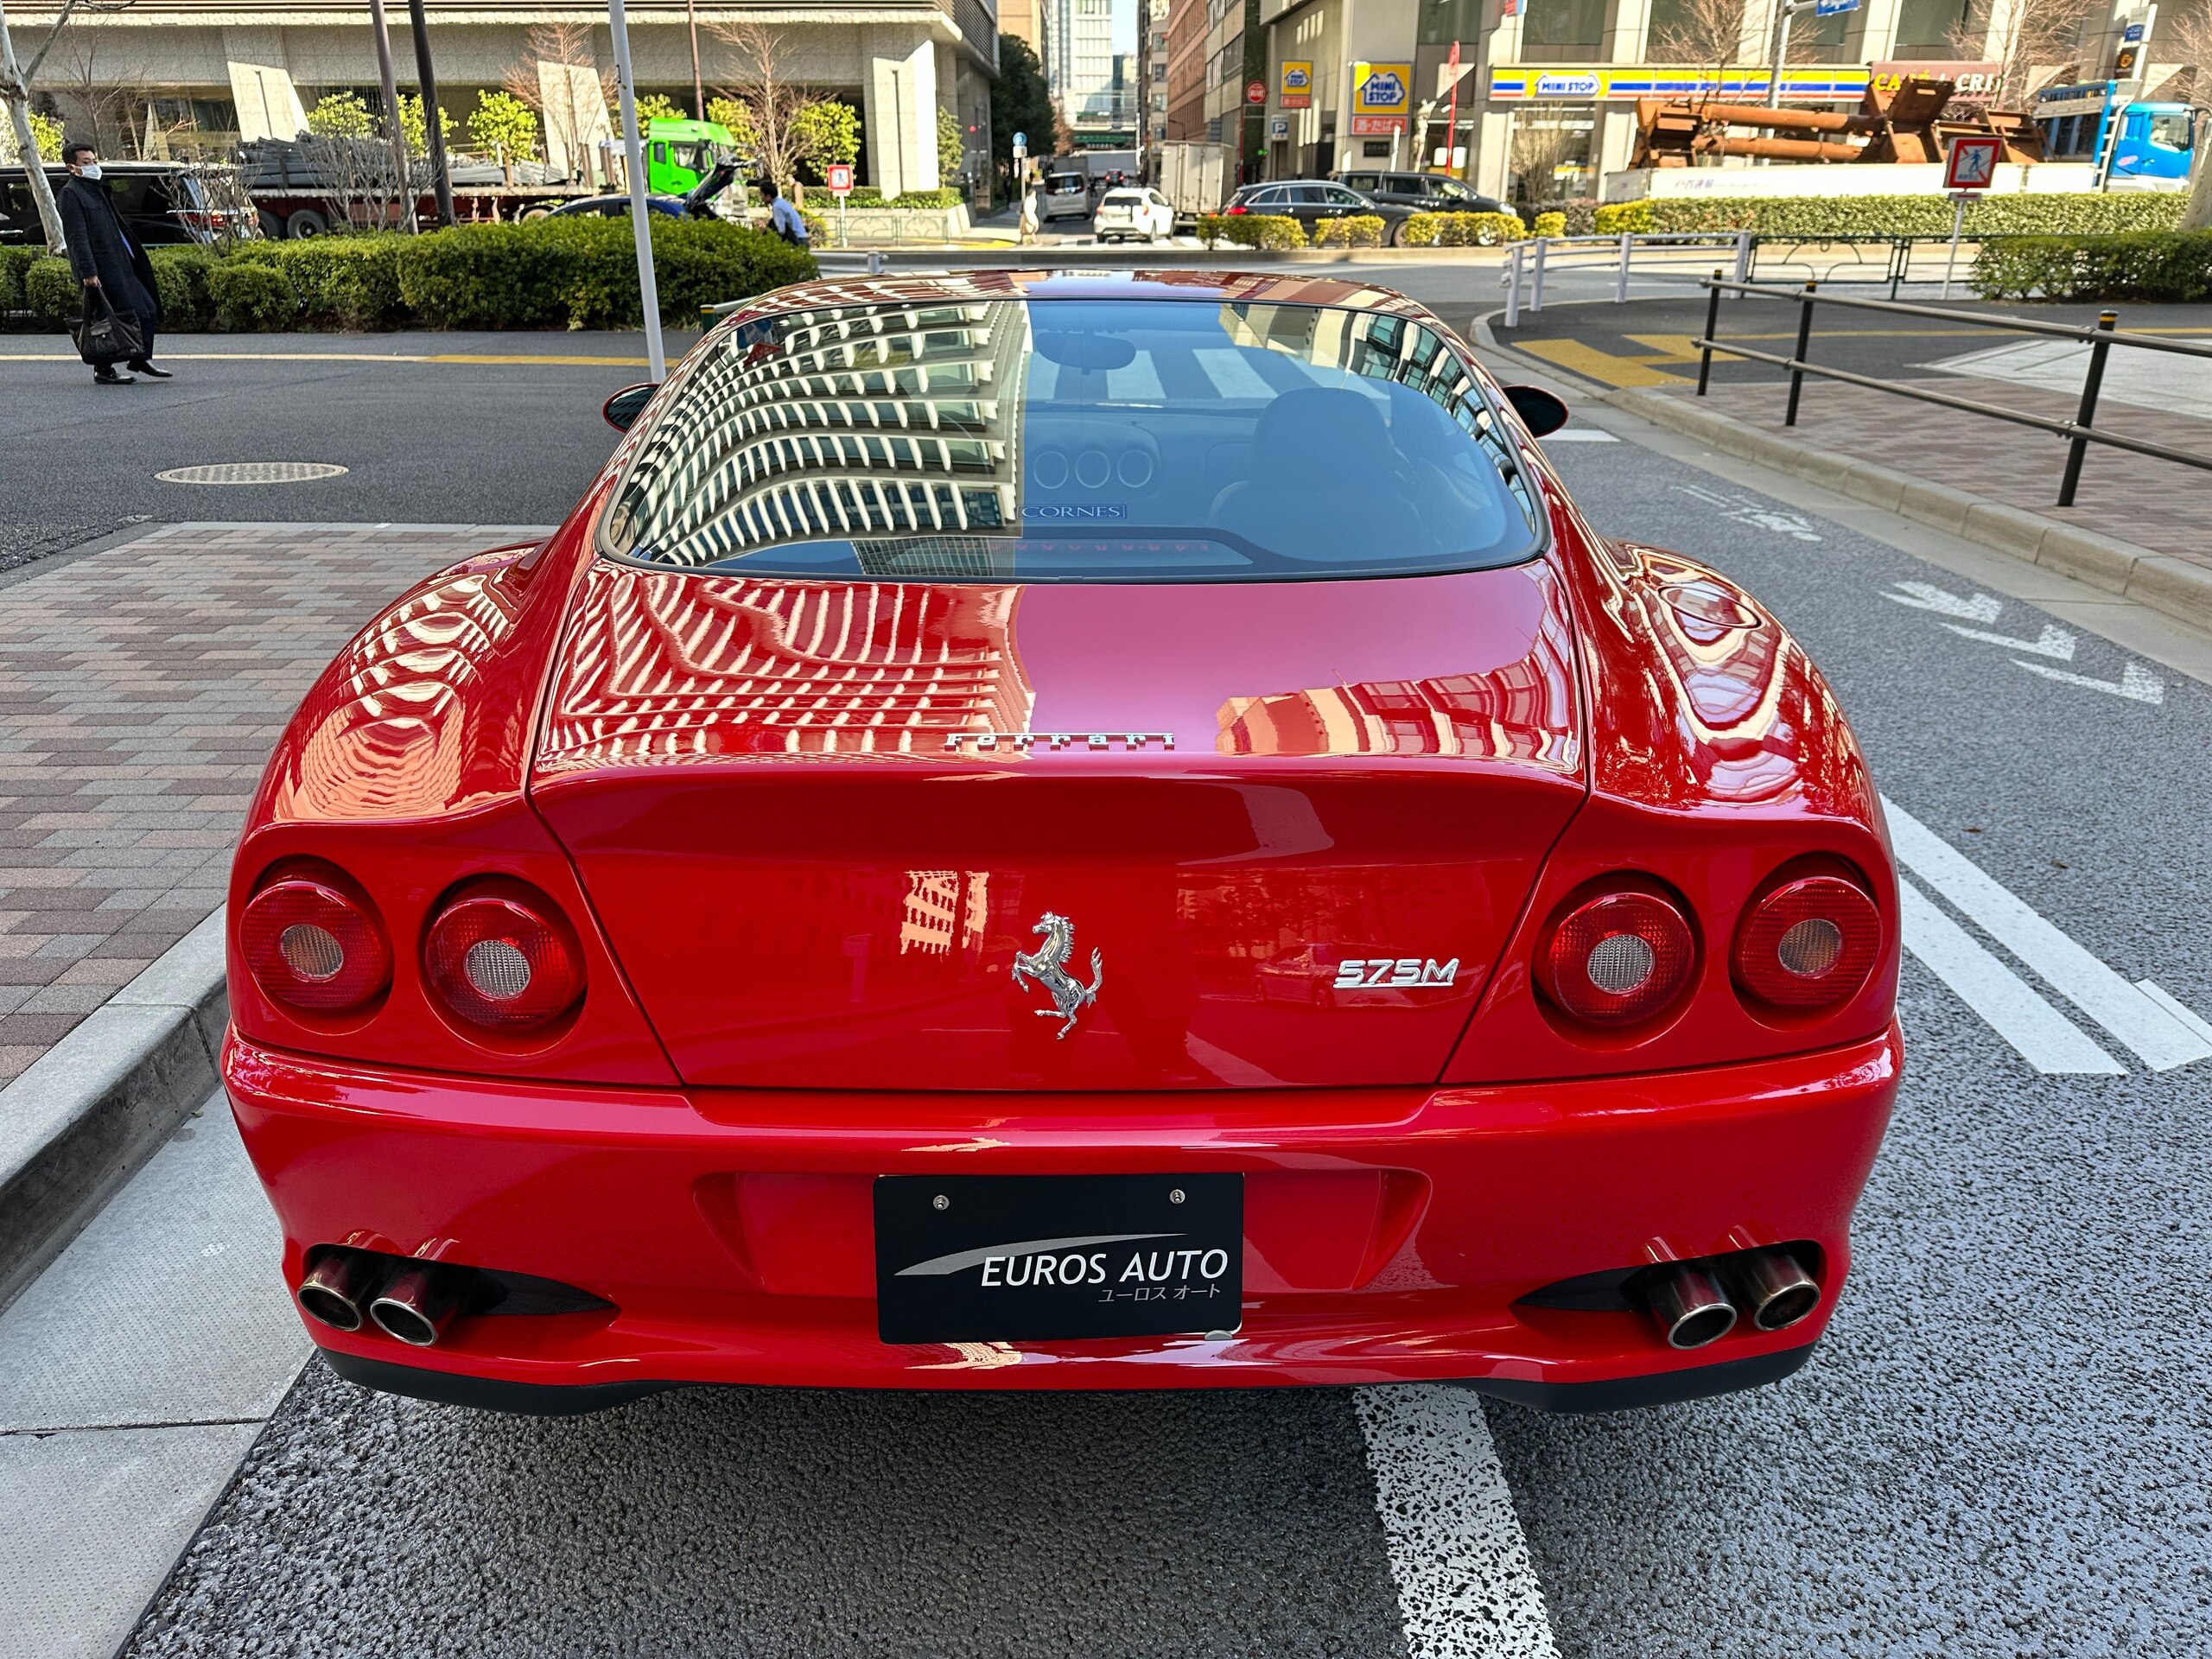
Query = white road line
x=2046 y=1039
x=1466 y=1587
x=2176 y=1007
x=2135 y=683
x=2162 y=1041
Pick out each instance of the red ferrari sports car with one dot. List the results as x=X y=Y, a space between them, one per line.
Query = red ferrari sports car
x=808 y=921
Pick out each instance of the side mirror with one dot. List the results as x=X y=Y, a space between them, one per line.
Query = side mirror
x=1542 y=412
x=623 y=409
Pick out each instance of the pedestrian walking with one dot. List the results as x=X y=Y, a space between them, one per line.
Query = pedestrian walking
x=784 y=218
x=117 y=277
x=1028 y=214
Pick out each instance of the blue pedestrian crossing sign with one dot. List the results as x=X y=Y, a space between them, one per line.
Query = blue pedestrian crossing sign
x=1833 y=8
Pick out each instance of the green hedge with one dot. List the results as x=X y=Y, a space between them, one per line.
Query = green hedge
x=1461 y=229
x=1811 y=217
x=1353 y=231
x=2169 y=265
x=1550 y=225
x=550 y=273
x=1579 y=212
x=866 y=195
x=1251 y=230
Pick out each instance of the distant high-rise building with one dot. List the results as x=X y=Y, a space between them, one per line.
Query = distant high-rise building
x=1080 y=66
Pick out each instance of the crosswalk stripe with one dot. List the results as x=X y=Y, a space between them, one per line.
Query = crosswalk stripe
x=2046 y=1039
x=1466 y=1586
x=2133 y=1018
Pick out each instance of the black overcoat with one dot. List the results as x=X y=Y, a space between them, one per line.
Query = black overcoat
x=98 y=247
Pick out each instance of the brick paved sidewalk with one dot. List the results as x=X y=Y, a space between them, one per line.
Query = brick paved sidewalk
x=140 y=690
x=2154 y=503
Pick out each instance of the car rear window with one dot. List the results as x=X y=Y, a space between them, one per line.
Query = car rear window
x=1124 y=199
x=1075 y=439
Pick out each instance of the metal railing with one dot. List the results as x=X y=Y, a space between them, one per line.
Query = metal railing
x=1528 y=261
x=2079 y=433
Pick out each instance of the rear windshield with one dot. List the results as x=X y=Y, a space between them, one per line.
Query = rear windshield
x=1124 y=199
x=1075 y=441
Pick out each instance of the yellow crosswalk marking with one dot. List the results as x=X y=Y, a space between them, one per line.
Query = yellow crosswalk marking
x=1594 y=364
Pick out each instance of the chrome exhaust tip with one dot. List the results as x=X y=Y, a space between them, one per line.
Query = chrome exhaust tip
x=1689 y=1305
x=339 y=1288
x=1775 y=1289
x=418 y=1306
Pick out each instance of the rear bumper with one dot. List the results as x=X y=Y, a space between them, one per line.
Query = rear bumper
x=1390 y=1234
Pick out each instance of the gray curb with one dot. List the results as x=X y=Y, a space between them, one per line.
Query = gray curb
x=90 y=1110
x=2172 y=586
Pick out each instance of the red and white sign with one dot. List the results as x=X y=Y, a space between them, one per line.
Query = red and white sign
x=841 y=179
x=1377 y=126
x=1256 y=91
x=1972 y=164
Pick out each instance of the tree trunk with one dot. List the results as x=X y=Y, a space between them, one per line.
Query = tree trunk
x=19 y=117
x=2196 y=213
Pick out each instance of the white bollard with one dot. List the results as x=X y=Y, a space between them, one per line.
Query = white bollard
x=1620 y=288
x=1537 y=286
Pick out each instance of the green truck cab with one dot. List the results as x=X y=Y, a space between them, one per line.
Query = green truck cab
x=678 y=153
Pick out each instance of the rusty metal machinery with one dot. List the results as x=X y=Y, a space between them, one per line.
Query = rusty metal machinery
x=1903 y=125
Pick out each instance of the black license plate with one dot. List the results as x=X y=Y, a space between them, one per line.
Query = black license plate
x=1057 y=1258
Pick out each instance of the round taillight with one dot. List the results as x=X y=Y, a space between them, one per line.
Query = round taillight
x=1808 y=943
x=503 y=962
x=1619 y=957
x=310 y=946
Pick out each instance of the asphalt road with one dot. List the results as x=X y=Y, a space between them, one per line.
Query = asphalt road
x=1998 y=1452
x=429 y=430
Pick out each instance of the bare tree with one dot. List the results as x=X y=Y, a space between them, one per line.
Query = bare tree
x=112 y=99
x=772 y=99
x=2040 y=35
x=2186 y=41
x=1537 y=153
x=16 y=78
x=564 y=101
x=1708 y=33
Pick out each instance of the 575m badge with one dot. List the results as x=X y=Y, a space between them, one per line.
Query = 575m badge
x=1381 y=972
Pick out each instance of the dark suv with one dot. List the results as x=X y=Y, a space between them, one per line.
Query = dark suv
x=1422 y=193
x=158 y=202
x=1311 y=201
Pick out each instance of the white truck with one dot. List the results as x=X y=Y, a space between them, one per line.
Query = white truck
x=1197 y=178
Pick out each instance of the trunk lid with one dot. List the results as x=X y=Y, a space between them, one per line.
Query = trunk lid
x=826 y=825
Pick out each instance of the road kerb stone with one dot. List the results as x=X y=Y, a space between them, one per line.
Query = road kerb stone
x=2172 y=586
x=82 y=1118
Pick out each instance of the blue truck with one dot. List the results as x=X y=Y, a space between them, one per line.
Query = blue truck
x=2156 y=141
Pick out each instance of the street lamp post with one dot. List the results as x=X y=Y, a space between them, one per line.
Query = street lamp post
x=388 y=83
x=633 y=152
x=433 y=135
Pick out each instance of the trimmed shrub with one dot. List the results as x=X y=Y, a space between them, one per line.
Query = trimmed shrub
x=866 y=195
x=343 y=282
x=1551 y=225
x=181 y=277
x=1579 y=212
x=52 y=292
x=248 y=298
x=1354 y=231
x=2168 y=265
x=14 y=265
x=1251 y=230
x=582 y=272
x=1815 y=216
x=1461 y=229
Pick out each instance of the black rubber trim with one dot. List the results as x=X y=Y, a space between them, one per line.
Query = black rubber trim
x=488 y=1394
x=1658 y=1388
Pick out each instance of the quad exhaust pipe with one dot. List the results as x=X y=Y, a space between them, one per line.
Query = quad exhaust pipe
x=413 y=1301
x=1696 y=1303
x=339 y=1288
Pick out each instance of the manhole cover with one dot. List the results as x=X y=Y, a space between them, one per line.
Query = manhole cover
x=251 y=472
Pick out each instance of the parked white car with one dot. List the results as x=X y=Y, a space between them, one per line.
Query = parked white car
x=1128 y=212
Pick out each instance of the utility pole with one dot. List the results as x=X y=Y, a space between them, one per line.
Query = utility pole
x=15 y=88
x=626 y=90
x=698 y=90
x=1783 y=10
x=434 y=136
x=393 y=131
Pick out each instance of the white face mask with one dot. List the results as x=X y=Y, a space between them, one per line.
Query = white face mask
x=89 y=170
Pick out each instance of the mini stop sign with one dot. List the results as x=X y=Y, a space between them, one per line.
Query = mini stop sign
x=1256 y=91
x=841 y=179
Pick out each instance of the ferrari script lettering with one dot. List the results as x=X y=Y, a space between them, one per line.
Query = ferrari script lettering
x=1373 y=973
x=989 y=740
